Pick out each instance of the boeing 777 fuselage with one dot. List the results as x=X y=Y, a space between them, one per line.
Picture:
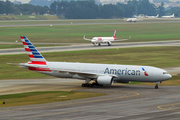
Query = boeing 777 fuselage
x=102 y=74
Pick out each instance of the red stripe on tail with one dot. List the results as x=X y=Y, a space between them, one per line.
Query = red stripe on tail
x=24 y=43
x=22 y=37
x=38 y=62
x=31 y=56
x=27 y=49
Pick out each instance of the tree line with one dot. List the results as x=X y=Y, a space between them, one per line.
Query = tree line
x=88 y=9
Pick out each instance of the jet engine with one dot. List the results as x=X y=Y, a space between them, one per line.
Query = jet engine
x=105 y=80
x=109 y=43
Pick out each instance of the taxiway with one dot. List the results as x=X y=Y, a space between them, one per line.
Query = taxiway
x=127 y=102
x=92 y=47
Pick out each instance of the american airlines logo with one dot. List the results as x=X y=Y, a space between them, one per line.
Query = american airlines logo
x=145 y=73
x=122 y=71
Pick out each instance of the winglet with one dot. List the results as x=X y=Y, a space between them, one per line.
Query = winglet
x=33 y=53
x=86 y=38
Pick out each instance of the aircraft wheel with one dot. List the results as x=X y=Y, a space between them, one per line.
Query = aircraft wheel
x=90 y=85
x=87 y=85
x=156 y=87
x=83 y=85
x=99 y=44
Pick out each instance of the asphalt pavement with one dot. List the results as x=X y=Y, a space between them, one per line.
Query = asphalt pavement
x=91 y=47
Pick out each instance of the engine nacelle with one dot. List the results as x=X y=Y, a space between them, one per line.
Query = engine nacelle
x=109 y=43
x=105 y=80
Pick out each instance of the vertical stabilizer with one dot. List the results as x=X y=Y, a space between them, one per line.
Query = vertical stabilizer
x=114 y=35
x=34 y=54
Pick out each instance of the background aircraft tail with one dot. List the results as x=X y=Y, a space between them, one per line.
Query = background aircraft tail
x=34 y=54
x=114 y=35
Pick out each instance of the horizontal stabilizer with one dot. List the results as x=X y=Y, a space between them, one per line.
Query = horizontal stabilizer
x=123 y=39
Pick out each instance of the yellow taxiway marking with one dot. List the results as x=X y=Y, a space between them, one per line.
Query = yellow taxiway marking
x=163 y=107
x=168 y=107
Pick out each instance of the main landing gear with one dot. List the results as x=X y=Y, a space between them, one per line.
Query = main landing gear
x=87 y=85
x=156 y=86
x=90 y=85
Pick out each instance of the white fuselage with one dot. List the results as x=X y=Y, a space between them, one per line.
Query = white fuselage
x=102 y=39
x=132 y=19
x=123 y=72
x=171 y=16
x=152 y=17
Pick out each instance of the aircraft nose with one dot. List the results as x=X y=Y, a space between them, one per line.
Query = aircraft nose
x=168 y=76
x=93 y=40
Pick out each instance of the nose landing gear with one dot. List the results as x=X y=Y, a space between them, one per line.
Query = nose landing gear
x=156 y=86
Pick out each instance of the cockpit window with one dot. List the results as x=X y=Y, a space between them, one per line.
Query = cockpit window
x=165 y=73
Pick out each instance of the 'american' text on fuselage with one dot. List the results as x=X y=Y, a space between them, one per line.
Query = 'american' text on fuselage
x=121 y=72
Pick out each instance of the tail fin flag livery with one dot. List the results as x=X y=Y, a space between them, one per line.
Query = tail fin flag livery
x=33 y=53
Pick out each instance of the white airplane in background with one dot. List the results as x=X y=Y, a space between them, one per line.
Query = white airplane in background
x=136 y=18
x=170 y=16
x=152 y=17
x=102 y=74
x=108 y=40
x=132 y=19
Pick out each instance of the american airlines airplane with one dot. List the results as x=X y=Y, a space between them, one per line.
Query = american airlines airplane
x=101 y=74
x=170 y=16
x=108 y=40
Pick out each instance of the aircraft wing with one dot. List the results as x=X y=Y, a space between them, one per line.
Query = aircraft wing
x=84 y=73
x=75 y=73
x=123 y=39
x=86 y=38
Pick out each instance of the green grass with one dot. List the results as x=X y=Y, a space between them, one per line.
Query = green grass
x=74 y=33
x=10 y=46
x=27 y=17
x=41 y=97
x=151 y=56
x=59 y=21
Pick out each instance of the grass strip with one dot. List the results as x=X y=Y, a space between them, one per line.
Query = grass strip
x=41 y=97
x=10 y=46
x=140 y=32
